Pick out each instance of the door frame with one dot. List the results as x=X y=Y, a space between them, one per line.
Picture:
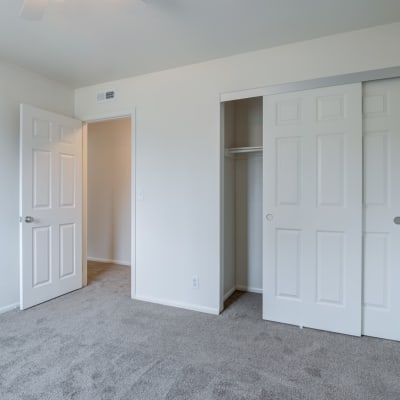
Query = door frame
x=102 y=118
x=288 y=87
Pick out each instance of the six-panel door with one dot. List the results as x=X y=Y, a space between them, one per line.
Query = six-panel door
x=50 y=205
x=313 y=208
x=381 y=294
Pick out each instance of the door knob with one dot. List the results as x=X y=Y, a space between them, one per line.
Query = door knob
x=28 y=219
x=396 y=220
x=269 y=217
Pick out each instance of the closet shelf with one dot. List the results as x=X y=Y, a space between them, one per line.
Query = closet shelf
x=243 y=150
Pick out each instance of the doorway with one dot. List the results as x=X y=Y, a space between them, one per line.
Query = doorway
x=53 y=203
x=108 y=161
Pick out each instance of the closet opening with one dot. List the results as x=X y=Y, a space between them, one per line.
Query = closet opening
x=242 y=166
x=108 y=196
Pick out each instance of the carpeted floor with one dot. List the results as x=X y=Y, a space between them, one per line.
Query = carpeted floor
x=97 y=343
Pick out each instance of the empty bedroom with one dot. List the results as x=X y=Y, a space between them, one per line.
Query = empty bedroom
x=200 y=199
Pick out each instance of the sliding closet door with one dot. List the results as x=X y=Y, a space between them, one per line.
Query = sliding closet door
x=381 y=316
x=312 y=205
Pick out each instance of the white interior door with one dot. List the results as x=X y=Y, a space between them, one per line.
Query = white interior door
x=312 y=270
x=50 y=205
x=381 y=311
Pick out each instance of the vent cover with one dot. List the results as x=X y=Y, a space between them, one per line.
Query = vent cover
x=105 y=96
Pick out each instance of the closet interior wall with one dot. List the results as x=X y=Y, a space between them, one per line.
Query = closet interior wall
x=243 y=131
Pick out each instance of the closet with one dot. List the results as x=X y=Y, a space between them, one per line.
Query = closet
x=243 y=132
x=311 y=206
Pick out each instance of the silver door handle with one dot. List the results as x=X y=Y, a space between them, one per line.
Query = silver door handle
x=396 y=220
x=269 y=217
x=29 y=219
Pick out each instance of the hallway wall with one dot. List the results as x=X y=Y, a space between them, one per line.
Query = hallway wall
x=109 y=191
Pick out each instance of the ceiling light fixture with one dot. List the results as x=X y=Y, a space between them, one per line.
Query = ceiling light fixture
x=33 y=10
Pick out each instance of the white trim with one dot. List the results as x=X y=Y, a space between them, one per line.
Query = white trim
x=133 y=202
x=103 y=260
x=337 y=80
x=249 y=289
x=20 y=260
x=221 y=275
x=243 y=94
x=107 y=116
x=185 y=306
x=229 y=293
x=84 y=202
x=8 y=308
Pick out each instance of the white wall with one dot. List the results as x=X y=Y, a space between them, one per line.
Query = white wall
x=18 y=86
x=109 y=191
x=178 y=150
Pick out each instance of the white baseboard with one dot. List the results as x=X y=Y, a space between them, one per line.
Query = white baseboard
x=229 y=293
x=185 y=306
x=8 y=308
x=249 y=289
x=105 y=261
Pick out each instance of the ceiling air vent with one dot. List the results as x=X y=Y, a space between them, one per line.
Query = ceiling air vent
x=105 y=96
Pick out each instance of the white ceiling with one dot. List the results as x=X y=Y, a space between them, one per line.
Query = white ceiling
x=83 y=42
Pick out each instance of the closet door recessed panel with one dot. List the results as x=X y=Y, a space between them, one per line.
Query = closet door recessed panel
x=287 y=263
x=331 y=170
x=330 y=268
x=288 y=171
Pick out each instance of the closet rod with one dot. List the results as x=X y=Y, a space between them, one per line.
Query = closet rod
x=241 y=150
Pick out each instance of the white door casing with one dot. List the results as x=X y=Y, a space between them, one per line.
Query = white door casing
x=381 y=283
x=51 y=195
x=313 y=208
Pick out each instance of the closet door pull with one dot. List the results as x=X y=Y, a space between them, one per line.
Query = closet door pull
x=396 y=220
x=269 y=217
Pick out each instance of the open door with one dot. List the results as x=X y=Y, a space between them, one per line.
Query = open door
x=50 y=205
x=313 y=208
